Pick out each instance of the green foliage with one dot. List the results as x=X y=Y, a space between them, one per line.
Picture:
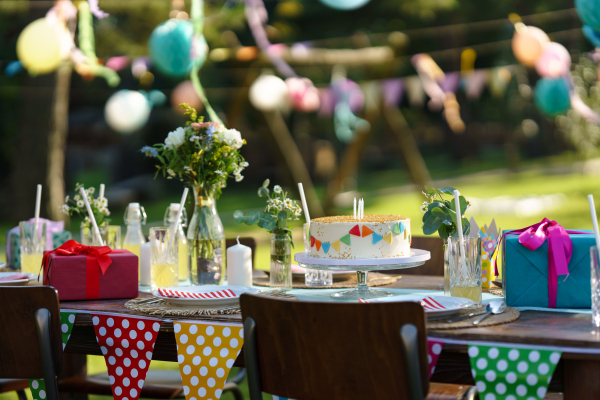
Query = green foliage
x=276 y=216
x=439 y=214
x=76 y=206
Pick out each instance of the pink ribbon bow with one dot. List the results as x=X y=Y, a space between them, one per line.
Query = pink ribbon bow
x=560 y=249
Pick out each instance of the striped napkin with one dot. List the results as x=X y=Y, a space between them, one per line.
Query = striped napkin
x=217 y=294
x=428 y=303
x=14 y=277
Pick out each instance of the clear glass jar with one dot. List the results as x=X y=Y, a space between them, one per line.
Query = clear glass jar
x=281 y=262
x=206 y=240
x=465 y=269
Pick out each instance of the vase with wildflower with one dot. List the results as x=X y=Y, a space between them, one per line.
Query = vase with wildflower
x=275 y=218
x=204 y=155
x=75 y=206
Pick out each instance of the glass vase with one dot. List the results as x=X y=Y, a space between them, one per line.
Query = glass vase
x=464 y=267
x=110 y=234
x=281 y=262
x=206 y=239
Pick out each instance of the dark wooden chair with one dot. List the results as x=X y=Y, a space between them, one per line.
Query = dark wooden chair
x=30 y=338
x=246 y=241
x=309 y=350
x=434 y=267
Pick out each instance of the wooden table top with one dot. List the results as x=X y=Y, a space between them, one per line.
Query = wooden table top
x=533 y=327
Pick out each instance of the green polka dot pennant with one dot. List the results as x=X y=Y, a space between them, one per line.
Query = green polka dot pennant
x=506 y=373
x=38 y=389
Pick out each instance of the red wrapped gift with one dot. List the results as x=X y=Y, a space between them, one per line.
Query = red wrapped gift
x=80 y=272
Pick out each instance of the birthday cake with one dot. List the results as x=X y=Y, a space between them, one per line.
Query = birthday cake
x=373 y=236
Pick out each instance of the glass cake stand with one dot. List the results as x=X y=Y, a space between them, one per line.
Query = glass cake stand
x=362 y=267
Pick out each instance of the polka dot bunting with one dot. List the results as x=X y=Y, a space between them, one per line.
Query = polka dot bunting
x=127 y=344
x=38 y=389
x=509 y=373
x=206 y=352
x=434 y=349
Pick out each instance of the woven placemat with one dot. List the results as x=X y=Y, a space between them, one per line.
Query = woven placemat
x=163 y=308
x=374 y=279
x=507 y=316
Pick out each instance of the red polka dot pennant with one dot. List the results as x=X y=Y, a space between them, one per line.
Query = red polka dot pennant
x=127 y=344
x=434 y=349
x=206 y=352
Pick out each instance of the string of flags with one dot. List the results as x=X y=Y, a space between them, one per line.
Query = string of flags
x=398 y=229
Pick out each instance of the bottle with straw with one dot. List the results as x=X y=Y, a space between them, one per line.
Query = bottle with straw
x=33 y=239
x=170 y=220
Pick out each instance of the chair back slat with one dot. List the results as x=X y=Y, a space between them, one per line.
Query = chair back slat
x=309 y=350
x=20 y=356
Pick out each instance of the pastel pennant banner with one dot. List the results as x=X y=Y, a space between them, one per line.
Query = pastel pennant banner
x=127 y=344
x=508 y=373
x=206 y=352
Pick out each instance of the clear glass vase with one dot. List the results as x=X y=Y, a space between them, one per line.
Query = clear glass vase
x=110 y=234
x=281 y=262
x=206 y=239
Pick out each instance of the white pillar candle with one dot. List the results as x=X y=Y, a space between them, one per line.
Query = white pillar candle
x=145 y=278
x=239 y=265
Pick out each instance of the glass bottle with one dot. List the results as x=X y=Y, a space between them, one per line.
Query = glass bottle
x=183 y=257
x=135 y=217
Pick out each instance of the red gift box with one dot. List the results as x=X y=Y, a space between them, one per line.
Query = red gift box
x=80 y=272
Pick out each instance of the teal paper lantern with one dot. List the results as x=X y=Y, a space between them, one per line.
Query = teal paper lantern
x=591 y=35
x=172 y=48
x=589 y=12
x=552 y=96
x=344 y=4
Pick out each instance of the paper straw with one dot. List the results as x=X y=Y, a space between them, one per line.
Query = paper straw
x=355 y=208
x=101 y=192
x=594 y=220
x=38 y=200
x=177 y=219
x=95 y=229
x=304 y=206
x=461 y=240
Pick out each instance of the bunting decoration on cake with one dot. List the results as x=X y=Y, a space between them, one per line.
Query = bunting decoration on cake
x=206 y=352
x=398 y=229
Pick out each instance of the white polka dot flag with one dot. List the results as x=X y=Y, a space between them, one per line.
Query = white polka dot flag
x=507 y=373
x=206 y=352
x=127 y=344
x=37 y=386
x=434 y=349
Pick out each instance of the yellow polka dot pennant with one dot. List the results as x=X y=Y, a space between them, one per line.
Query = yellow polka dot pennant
x=206 y=352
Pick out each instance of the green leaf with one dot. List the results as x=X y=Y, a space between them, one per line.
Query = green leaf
x=281 y=223
x=426 y=216
x=282 y=215
x=436 y=204
x=466 y=226
x=271 y=225
x=448 y=190
x=463 y=207
x=252 y=218
x=238 y=216
x=445 y=231
x=432 y=224
x=160 y=158
x=430 y=191
x=262 y=192
x=266 y=183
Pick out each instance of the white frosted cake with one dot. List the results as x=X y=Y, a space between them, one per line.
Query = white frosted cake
x=373 y=236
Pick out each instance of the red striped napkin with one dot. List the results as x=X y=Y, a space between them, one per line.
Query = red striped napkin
x=217 y=294
x=428 y=303
x=14 y=277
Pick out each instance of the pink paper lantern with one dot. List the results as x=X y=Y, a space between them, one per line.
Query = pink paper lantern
x=554 y=62
x=528 y=43
x=304 y=96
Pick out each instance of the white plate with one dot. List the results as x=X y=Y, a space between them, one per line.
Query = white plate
x=416 y=257
x=452 y=305
x=207 y=303
x=298 y=272
x=17 y=282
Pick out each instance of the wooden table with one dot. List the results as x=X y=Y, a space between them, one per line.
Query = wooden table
x=577 y=373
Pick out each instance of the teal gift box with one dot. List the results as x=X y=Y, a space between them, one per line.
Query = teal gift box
x=525 y=274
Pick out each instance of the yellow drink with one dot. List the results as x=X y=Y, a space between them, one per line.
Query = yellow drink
x=472 y=292
x=135 y=249
x=183 y=260
x=164 y=275
x=31 y=263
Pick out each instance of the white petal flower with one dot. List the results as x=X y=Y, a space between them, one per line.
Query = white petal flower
x=171 y=172
x=91 y=190
x=233 y=137
x=238 y=178
x=175 y=138
x=67 y=199
x=277 y=189
x=244 y=164
x=80 y=203
x=289 y=203
x=86 y=220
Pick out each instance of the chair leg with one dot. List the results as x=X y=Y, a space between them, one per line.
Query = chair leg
x=252 y=359
x=42 y=319
x=234 y=389
x=21 y=394
x=410 y=347
x=239 y=377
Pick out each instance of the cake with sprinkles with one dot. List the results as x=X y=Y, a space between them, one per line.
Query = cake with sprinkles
x=372 y=236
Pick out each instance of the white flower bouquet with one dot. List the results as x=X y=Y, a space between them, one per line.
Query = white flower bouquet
x=76 y=206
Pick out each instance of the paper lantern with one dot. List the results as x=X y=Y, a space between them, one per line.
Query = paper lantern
x=554 y=62
x=591 y=35
x=185 y=93
x=589 y=13
x=269 y=93
x=552 y=96
x=173 y=49
x=344 y=4
x=42 y=45
x=127 y=111
x=304 y=96
x=528 y=43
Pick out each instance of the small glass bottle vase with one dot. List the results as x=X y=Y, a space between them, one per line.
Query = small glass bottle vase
x=281 y=262
x=206 y=240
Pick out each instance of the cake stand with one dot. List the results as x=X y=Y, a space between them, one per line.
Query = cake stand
x=362 y=267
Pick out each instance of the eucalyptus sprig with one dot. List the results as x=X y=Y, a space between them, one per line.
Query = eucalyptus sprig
x=278 y=212
x=439 y=213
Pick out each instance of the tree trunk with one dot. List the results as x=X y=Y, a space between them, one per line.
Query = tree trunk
x=57 y=142
x=293 y=159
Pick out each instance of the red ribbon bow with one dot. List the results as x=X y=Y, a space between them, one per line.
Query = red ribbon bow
x=95 y=256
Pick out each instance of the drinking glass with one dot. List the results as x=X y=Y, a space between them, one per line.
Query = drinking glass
x=111 y=235
x=314 y=277
x=163 y=258
x=33 y=245
x=595 y=282
x=465 y=274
